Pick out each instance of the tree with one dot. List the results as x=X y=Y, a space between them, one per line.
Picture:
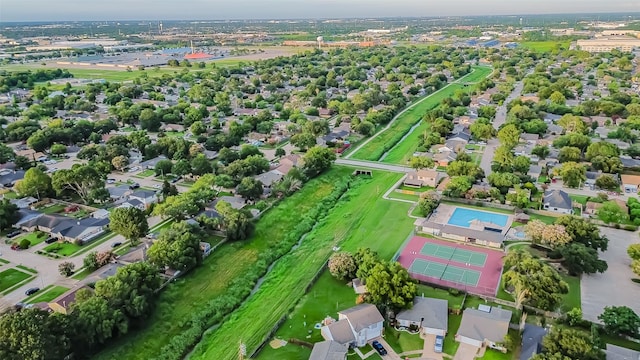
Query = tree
x=521 y=164
x=181 y=167
x=163 y=167
x=120 y=162
x=6 y=154
x=35 y=183
x=317 y=160
x=482 y=131
x=421 y=162
x=550 y=235
x=572 y=124
x=66 y=268
x=565 y=343
x=569 y=153
x=390 y=285
x=601 y=148
x=634 y=251
x=237 y=223
x=129 y=222
x=177 y=247
x=58 y=149
x=607 y=164
x=34 y=334
x=303 y=140
x=280 y=152
x=509 y=136
x=178 y=206
x=579 y=259
x=541 y=151
x=366 y=128
x=198 y=128
x=541 y=282
x=250 y=188
x=95 y=321
x=583 y=232
x=502 y=159
x=342 y=265
x=557 y=98
x=458 y=186
x=428 y=202
x=607 y=182
x=463 y=168
x=200 y=165
x=503 y=180
x=573 y=174
x=620 y=320
x=80 y=179
x=610 y=212
x=132 y=289
x=8 y=214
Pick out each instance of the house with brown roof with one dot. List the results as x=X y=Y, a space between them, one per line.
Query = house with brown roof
x=356 y=326
x=485 y=326
x=630 y=183
x=422 y=177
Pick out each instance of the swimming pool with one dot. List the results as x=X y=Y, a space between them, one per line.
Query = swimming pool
x=463 y=217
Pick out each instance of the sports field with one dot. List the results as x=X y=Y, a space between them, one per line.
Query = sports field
x=452 y=264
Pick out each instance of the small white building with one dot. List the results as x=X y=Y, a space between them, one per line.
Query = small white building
x=355 y=326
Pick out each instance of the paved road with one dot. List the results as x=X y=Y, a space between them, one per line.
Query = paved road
x=48 y=268
x=500 y=119
x=402 y=112
x=374 y=165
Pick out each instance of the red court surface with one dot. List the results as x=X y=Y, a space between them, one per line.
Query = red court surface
x=490 y=272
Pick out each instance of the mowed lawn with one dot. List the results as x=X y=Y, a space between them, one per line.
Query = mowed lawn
x=545 y=46
x=361 y=219
x=11 y=277
x=47 y=296
x=212 y=279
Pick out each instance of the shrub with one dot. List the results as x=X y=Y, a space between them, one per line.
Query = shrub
x=630 y=227
x=24 y=244
x=454 y=292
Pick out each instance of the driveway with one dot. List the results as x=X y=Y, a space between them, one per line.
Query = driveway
x=429 y=344
x=614 y=286
x=391 y=354
x=466 y=352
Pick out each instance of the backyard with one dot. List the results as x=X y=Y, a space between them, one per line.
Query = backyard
x=212 y=279
x=360 y=215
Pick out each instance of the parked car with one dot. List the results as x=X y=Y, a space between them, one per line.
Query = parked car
x=134 y=186
x=13 y=234
x=111 y=181
x=176 y=179
x=32 y=291
x=116 y=244
x=379 y=348
x=50 y=240
x=439 y=343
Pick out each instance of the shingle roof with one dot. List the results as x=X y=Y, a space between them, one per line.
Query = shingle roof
x=481 y=325
x=531 y=341
x=558 y=199
x=341 y=332
x=432 y=312
x=362 y=316
x=328 y=350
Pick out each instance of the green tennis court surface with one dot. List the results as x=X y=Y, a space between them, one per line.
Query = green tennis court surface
x=454 y=254
x=445 y=272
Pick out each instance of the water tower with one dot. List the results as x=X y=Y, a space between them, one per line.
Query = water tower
x=320 y=40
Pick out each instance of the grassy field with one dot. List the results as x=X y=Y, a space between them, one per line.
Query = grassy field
x=402 y=151
x=64 y=249
x=11 y=277
x=146 y=173
x=545 y=46
x=544 y=218
x=46 y=295
x=212 y=279
x=402 y=196
x=361 y=218
x=573 y=298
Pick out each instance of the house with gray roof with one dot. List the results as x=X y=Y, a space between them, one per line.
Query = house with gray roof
x=81 y=231
x=146 y=197
x=356 y=326
x=532 y=341
x=485 y=326
x=557 y=201
x=427 y=314
x=535 y=171
x=329 y=350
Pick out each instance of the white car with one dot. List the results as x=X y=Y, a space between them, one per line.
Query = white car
x=111 y=181
x=157 y=186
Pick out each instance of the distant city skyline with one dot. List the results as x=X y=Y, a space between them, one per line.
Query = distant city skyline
x=89 y=10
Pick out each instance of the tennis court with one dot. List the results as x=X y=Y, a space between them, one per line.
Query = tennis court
x=445 y=272
x=454 y=254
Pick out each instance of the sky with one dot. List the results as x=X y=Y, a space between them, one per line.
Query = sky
x=79 y=10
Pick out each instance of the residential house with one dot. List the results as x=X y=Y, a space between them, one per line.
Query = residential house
x=630 y=183
x=622 y=145
x=269 y=178
x=151 y=163
x=535 y=171
x=81 y=231
x=146 y=197
x=44 y=222
x=422 y=177
x=118 y=194
x=532 y=341
x=356 y=326
x=603 y=132
x=557 y=201
x=173 y=127
x=427 y=314
x=236 y=202
x=529 y=138
x=592 y=176
x=24 y=203
x=286 y=163
x=554 y=129
x=485 y=326
x=629 y=163
x=62 y=303
x=329 y=350
x=132 y=203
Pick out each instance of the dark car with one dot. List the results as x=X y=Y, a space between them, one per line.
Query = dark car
x=439 y=343
x=176 y=179
x=116 y=244
x=134 y=186
x=13 y=234
x=32 y=291
x=379 y=348
x=51 y=240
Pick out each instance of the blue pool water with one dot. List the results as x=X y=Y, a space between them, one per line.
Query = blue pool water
x=463 y=217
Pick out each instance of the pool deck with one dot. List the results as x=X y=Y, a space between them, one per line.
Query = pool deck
x=444 y=212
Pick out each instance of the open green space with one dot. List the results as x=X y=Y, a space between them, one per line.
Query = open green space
x=46 y=295
x=401 y=152
x=402 y=196
x=53 y=209
x=11 y=277
x=361 y=218
x=82 y=274
x=545 y=46
x=63 y=249
x=544 y=218
x=33 y=238
x=582 y=199
x=214 y=277
x=146 y=173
